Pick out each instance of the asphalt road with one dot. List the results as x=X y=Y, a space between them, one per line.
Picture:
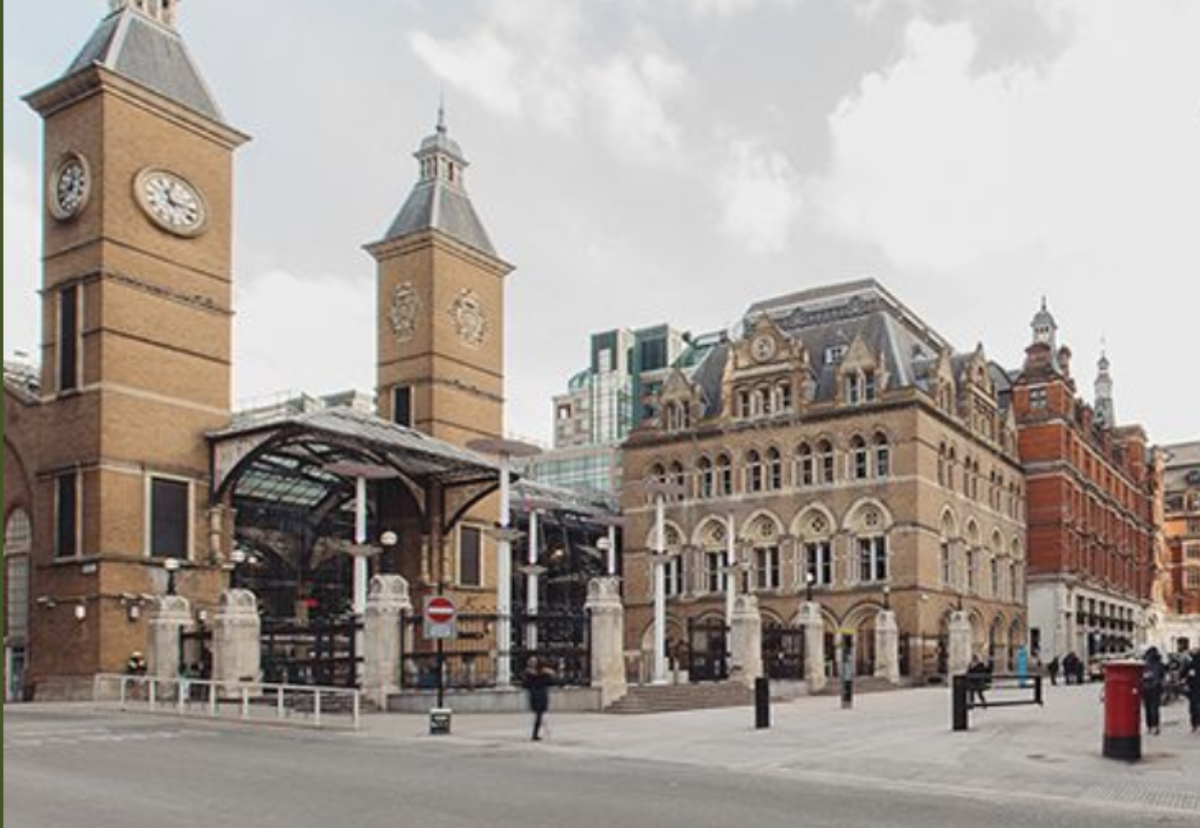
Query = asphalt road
x=80 y=767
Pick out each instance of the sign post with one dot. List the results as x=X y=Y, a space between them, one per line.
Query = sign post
x=440 y=622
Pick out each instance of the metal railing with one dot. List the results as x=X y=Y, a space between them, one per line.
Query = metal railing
x=303 y=705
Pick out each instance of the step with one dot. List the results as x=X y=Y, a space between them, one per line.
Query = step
x=679 y=697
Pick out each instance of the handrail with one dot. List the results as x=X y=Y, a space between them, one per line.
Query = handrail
x=298 y=704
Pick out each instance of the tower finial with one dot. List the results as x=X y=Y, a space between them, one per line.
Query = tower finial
x=441 y=121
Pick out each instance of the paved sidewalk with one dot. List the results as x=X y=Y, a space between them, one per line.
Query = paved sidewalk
x=898 y=739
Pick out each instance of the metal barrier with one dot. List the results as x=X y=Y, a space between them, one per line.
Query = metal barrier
x=969 y=690
x=256 y=702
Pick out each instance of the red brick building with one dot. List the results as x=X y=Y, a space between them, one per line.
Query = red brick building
x=1181 y=534
x=1091 y=490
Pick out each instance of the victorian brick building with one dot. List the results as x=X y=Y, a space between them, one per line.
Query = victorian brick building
x=1180 y=599
x=1091 y=490
x=836 y=445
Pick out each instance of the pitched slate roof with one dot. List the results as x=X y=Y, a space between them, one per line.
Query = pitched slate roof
x=150 y=53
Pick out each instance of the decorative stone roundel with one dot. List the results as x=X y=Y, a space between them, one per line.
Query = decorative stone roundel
x=404 y=311
x=469 y=318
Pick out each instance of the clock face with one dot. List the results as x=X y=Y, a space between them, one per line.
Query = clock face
x=763 y=347
x=171 y=202
x=70 y=184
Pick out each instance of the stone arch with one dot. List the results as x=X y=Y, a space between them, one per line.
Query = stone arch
x=761 y=525
x=858 y=518
x=711 y=533
x=673 y=536
x=814 y=521
x=949 y=524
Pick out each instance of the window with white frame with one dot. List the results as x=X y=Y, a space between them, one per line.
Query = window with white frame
x=883 y=456
x=946 y=564
x=766 y=567
x=972 y=571
x=705 y=479
x=859 y=459
x=774 y=470
x=673 y=576
x=825 y=461
x=852 y=384
x=724 y=475
x=715 y=574
x=818 y=559
x=869 y=386
x=994 y=588
x=872 y=559
x=754 y=471
x=807 y=465
x=18 y=543
x=470 y=556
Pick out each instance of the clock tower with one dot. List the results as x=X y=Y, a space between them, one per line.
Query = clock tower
x=136 y=334
x=440 y=363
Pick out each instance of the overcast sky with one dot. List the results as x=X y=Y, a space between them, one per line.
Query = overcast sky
x=642 y=161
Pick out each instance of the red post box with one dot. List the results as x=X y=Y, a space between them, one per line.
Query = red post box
x=1123 y=710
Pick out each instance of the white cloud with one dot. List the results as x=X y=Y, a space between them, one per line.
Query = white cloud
x=315 y=335
x=1095 y=160
x=760 y=195
x=536 y=59
x=629 y=92
x=22 y=245
x=729 y=8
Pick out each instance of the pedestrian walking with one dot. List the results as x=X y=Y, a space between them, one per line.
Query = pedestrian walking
x=977 y=680
x=1153 y=675
x=1052 y=670
x=1191 y=688
x=537 y=680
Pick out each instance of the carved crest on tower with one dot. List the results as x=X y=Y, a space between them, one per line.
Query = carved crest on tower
x=404 y=310
x=469 y=318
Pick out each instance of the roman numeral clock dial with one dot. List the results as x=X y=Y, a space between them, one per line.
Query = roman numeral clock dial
x=171 y=202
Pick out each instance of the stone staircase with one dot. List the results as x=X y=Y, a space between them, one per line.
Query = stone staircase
x=669 y=698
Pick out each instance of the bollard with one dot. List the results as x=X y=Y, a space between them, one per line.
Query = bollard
x=958 y=702
x=762 y=703
x=1122 y=710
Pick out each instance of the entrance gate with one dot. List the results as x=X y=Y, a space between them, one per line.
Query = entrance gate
x=318 y=652
x=560 y=638
x=709 y=649
x=783 y=653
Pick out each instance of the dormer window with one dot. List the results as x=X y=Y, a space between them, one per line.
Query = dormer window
x=835 y=354
x=868 y=385
x=1038 y=398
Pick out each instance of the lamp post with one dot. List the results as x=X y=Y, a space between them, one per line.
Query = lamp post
x=236 y=558
x=659 y=489
x=887 y=598
x=172 y=566
x=810 y=578
x=504 y=451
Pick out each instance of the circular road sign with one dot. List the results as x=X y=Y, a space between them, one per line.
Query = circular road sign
x=440 y=610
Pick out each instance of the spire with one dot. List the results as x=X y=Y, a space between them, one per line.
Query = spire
x=1045 y=329
x=161 y=10
x=439 y=200
x=1105 y=411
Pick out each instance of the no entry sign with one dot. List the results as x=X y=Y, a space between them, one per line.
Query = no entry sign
x=440 y=616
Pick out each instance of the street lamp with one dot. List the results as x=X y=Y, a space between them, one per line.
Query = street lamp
x=887 y=598
x=810 y=578
x=172 y=566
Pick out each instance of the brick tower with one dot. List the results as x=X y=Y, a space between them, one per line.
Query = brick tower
x=136 y=351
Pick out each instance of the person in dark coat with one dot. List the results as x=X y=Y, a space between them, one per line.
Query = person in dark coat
x=1191 y=688
x=977 y=681
x=537 y=680
x=1153 y=679
x=1052 y=670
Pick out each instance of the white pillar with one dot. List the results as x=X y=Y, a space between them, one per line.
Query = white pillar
x=531 y=581
x=887 y=647
x=360 y=564
x=660 y=594
x=170 y=617
x=814 y=646
x=504 y=584
x=237 y=643
x=387 y=602
x=608 y=639
x=731 y=573
x=960 y=643
x=746 y=632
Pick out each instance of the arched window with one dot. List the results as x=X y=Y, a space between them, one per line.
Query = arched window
x=656 y=474
x=743 y=402
x=675 y=568
x=705 y=481
x=762 y=401
x=859 y=461
x=807 y=471
x=825 y=462
x=945 y=554
x=677 y=416
x=883 y=455
x=818 y=551
x=942 y=464
x=774 y=469
x=679 y=478
x=872 y=546
x=716 y=556
x=783 y=396
x=18 y=543
x=764 y=540
x=754 y=471
x=724 y=475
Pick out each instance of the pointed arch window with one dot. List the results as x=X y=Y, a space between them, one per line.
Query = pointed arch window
x=774 y=469
x=825 y=461
x=724 y=475
x=705 y=478
x=754 y=471
x=883 y=455
x=783 y=397
x=807 y=464
x=859 y=459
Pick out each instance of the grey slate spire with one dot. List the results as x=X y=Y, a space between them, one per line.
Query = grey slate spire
x=439 y=199
x=1105 y=409
x=138 y=41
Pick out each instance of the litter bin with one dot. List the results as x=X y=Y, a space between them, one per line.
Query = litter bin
x=439 y=721
x=1123 y=710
